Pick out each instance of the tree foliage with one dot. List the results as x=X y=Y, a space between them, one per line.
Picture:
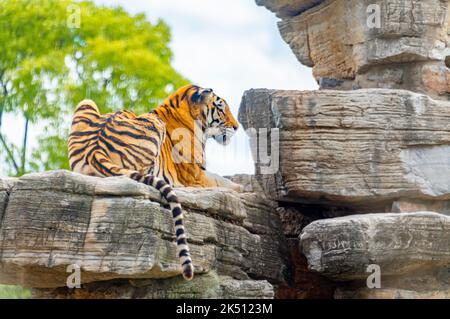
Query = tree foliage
x=58 y=52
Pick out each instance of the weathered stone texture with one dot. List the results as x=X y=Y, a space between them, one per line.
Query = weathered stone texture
x=405 y=48
x=204 y=286
x=115 y=228
x=401 y=244
x=361 y=150
x=360 y=147
x=411 y=251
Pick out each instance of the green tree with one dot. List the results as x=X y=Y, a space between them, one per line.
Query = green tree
x=57 y=52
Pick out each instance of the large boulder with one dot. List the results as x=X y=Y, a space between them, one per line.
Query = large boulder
x=366 y=44
x=342 y=248
x=209 y=285
x=410 y=252
x=363 y=148
x=115 y=228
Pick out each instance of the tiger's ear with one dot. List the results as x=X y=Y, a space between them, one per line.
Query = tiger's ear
x=202 y=96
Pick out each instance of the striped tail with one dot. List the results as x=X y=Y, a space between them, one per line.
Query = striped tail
x=167 y=193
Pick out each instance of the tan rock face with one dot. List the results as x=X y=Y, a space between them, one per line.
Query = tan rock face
x=436 y=78
x=367 y=44
x=409 y=253
x=342 y=248
x=360 y=151
x=208 y=285
x=364 y=146
x=114 y=228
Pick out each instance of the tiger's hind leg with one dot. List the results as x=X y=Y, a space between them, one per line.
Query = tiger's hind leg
x=105 y=167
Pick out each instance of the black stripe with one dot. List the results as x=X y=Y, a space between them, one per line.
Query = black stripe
x=102 y=167
x=143 y=119
x=89 y=153
x=184 y=95
x=76 y=152
x=168 y=110
x=123 y=156
x=133 y=127
x=179 y=232
x=136 y=148
x=166 y=178
x=83 y=141
x=83 y=133
x=179 y=222
x=129 y=147
x=127 y=154
x=112 y=149
x=183 y=253
x=187 y=262
x=148 y=180
x=176 y=212
x=90 y=113
x=136 y=176
x=74 y=163
x=82 y=119
x=85 y=107
x=181 y=241
x=172 y=199
x=160 y=184
x=166 y=191
x=135 y=136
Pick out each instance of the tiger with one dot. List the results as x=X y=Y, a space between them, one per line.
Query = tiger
x=141 y=148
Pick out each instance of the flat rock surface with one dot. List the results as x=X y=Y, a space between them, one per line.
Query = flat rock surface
x=362 y=146
x=116 y=228
x=204 y=286
x=369 y=43
x=400 y=244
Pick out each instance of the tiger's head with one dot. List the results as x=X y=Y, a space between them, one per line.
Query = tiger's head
x=213 y=112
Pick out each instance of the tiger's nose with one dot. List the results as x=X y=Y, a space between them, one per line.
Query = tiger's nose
x=235 y=127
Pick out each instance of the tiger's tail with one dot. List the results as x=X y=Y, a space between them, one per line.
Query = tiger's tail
x=168 y=194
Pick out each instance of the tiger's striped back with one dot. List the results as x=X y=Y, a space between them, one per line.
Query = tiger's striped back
x=123 y=144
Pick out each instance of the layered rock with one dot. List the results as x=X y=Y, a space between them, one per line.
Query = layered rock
x=115 y=228
x=360 y=169
x=411 y=251
x=335 y=158
x=363 y=148
x=370 y=44
x=209 y=285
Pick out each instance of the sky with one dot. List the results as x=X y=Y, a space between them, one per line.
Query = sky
x=227 y=45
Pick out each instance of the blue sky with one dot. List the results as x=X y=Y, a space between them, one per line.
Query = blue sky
x=229 y=46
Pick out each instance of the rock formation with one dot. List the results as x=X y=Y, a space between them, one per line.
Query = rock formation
x=412 y=251
x=362 y=179
x=350 y=199
x=370 y=44
x=120 y=235
x=368 y=146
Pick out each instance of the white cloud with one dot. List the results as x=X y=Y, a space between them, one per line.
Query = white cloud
x=230 y=46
